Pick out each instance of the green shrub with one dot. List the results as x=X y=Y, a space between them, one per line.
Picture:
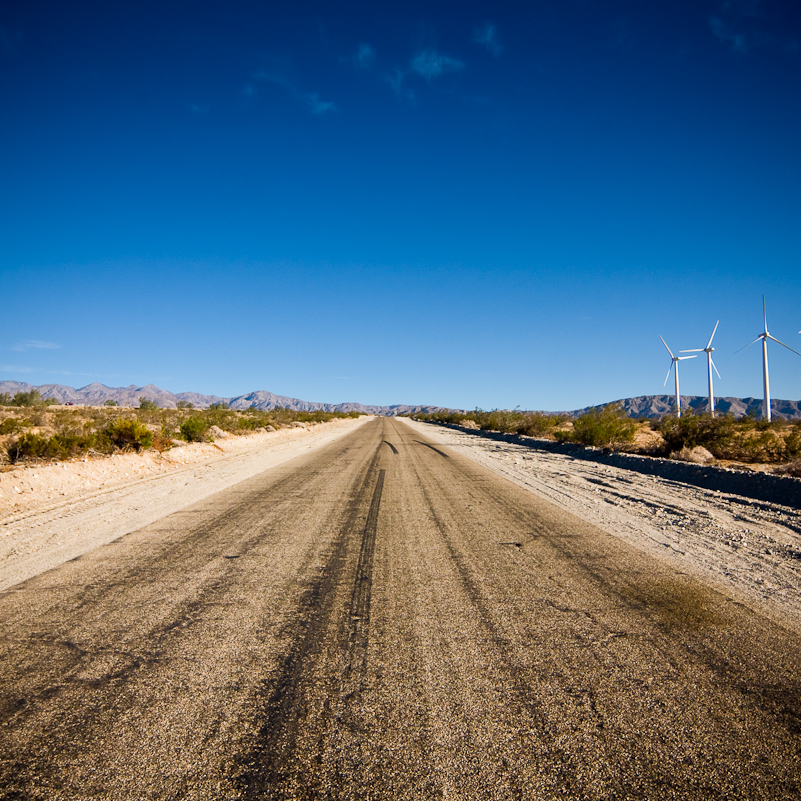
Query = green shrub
x=32 y=398
x=146 y=404
x=184 y=405
x=746 y=439
x=717 y=434
x=6 y=399
x=10 y=425
x=607 y=427
x=110 y=402
x=194 y=428
x=537 y=424
x=128 y=434
x=59 y=446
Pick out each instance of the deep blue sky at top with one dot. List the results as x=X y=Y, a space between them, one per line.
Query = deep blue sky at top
x=466 y=204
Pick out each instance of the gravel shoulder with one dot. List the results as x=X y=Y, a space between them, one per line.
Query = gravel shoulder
x=748 y=548
x=50 y=514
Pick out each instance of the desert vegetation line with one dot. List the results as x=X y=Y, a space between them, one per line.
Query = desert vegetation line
x=34 y=430
x=723 y=437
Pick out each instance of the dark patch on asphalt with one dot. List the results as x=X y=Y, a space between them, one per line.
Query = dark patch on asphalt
x=394 y=449
x=436 y=450
x=273 y=763
x=362 y=587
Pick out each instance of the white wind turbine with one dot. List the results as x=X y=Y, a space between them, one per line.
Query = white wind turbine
x=674 y=365
x=765 y=336
x=710 y=365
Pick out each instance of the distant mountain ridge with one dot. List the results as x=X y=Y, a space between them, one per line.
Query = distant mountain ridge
x=97 y=394
x=646 y=406
x=652 y=407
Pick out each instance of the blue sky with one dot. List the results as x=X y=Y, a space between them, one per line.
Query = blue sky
x=465 y=204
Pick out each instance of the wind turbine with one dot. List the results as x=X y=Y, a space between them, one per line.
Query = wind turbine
x=674 y=365
x=710 y=365
x=765 y=336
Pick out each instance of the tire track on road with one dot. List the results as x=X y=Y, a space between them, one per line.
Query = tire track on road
x=360 y=601
x=277 y=766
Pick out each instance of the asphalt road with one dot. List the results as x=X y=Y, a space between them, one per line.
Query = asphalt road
x=384 y=619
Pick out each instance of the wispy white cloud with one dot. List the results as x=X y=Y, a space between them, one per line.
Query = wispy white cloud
x=364 y=57
x=317 y=106
x=744 y=25
x=395 y=80
x=487 y=36
x=16 y=369
x=311 y=100
x=724 y=32
x=432 y=64
x=34 y=344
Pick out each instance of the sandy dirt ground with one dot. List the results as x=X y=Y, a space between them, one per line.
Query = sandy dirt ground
x=747 y=548
x=50 y=514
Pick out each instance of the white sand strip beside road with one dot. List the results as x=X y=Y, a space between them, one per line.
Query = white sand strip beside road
x=53 y=513
x=748 y=549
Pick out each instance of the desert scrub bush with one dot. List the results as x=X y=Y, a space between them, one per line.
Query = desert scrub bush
x=537 y=424
x=11 y=425
x=717 y=434
x=57 y=446
x=744 y=439
x=194 y=428
x=607 y=427
x=128 y=434
x=32 y=398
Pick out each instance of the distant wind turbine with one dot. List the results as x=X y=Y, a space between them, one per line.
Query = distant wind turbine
x=674 y=365
x=765 y=336
x=710 y=365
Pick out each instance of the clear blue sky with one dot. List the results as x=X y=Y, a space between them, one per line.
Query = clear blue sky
x=464 y=204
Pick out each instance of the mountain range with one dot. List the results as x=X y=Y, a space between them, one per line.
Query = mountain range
x=643 y=406
x=97 y=394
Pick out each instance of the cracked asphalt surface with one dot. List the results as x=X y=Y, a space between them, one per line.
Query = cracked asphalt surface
x=384 y=618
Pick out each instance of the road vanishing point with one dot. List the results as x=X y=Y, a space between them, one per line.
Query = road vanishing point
x=383 y=618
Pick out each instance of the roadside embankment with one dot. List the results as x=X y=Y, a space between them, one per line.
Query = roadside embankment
x=52 y=513
x=785 y=490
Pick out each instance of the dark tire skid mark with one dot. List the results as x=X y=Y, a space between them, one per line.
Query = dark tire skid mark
x=272 y=765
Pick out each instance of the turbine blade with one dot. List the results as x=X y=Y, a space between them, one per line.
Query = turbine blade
x=692 y=350
x=709 y=344
x=765 y=314
x=681 y=358
x=749 y=344
x=668 y=374
x=770 y=336
x=715 y=367
x=666 y=345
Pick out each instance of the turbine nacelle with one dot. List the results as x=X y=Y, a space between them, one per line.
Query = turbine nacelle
x=765 y=336
x=710 y=365
x=674 y=365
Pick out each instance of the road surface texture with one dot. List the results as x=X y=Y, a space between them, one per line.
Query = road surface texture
x=384 y=618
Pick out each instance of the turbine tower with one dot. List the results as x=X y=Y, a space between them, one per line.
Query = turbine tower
x=710 y=365
x=765 y=336
x=674 y=365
